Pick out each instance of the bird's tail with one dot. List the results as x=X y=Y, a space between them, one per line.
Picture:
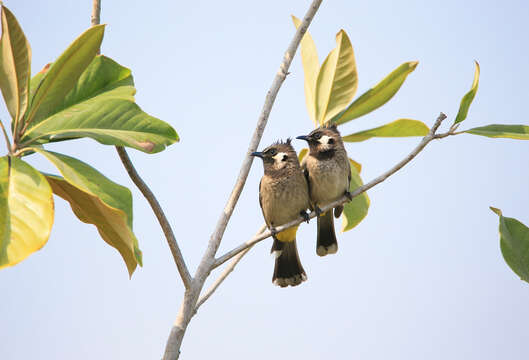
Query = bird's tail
x=326 y=243
x=288 y=269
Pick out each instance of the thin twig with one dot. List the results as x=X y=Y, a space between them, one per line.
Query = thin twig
x=361 y=189
x=187 y=310
x=145 y=190
x=160 y=215
x=225 y=273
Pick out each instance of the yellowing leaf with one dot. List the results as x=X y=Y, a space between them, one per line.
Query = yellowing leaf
x=15 y=65
x=311 y=65
x=26 y=210
x=397 y=128
x=468 y=98
x=302 y=153
x=519 y=132
x=337 y=80
x=356 y=165
x=97 y=200
x=378 y=95
x=355 y=210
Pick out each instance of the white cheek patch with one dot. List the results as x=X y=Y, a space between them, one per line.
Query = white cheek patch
x=279 y=157
x=324 y=140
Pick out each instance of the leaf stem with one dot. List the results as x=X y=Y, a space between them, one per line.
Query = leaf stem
x=6 y=137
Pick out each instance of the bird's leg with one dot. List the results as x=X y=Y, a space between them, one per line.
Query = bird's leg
x=317 y=210
x=305 y=215
x=273 y=230
x=348 y=195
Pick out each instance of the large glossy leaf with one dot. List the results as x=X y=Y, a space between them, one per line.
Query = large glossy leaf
x=63 y=74
x=311 y=66
x=514 y=244
x=337 y=80
x=99 y=201
x=26 y=210
x=519 y=132
x=35 y=80
x=101 y=106
x=356 y=210
x=378 y=95
x=397 y=128
x=15 y=65
x=468 y=98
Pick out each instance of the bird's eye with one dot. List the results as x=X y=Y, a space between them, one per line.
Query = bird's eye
x=285 y=157
x=272 y=152
x=330 y=141
x=317 y=136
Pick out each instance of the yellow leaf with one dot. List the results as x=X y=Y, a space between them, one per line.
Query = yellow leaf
x=337 y=80
x=26 y=210
x=311 y=65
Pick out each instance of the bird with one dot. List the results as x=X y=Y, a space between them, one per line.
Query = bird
x=283 y=197
x=328 y=173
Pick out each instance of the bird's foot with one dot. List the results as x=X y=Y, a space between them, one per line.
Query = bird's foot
x=318 y=210
x=348 y=195
x=305 y=215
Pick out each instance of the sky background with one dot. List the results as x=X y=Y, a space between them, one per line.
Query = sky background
x=422 y=277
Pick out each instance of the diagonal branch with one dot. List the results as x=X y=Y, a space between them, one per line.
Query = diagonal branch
x=160 y=215
x=147 y=193
x=187 y=310
x=225 y=273
x=361 y=189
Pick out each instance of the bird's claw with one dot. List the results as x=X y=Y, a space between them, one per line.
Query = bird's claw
x=273 y=231
x=305 y=216
x=348 y=195
x=318 y=210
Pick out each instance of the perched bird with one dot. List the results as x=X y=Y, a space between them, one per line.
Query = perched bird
x=283 y=196
x=328 y=173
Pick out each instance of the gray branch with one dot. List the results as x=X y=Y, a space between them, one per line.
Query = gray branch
x=160 y=215
x=187 y=310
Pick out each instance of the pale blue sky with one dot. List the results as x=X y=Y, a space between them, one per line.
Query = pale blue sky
x=422 y=277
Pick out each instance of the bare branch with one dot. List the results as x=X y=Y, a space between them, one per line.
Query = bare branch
x=191 y=296
x=361 y=189
x=225 y=273
x=160 y=215
x=96 y=12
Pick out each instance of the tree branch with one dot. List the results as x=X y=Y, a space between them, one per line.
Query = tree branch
x=160 y=215
x=187 y=309
x=147 y=193
x=226 y=272
x=361 y=189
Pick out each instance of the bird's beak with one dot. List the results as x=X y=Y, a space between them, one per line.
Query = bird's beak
x=257 y=153
x=303 y=137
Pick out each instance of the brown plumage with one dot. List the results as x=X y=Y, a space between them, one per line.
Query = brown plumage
x=283 y=196
x=328 y=173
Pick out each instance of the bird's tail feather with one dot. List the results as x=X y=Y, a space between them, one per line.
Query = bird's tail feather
x=326 y=243
x=288 y=269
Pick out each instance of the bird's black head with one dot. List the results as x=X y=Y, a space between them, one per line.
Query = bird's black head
x=280 y=155
x=325 y=139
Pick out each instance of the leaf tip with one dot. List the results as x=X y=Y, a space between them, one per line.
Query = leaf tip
x=496 y=210
x=413 y=64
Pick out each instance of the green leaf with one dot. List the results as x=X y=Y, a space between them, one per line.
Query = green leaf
x=26 y=210
x=101 y=106
x=15 y=65
x=356 y=210
x=35 y=80
x=397 y=128
x=378 y=95
x=468 y=98
x=311 y=66
x=63 y=74
x=514 y=244
x=99 y=201
x=337 y=80
x=519 y=132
